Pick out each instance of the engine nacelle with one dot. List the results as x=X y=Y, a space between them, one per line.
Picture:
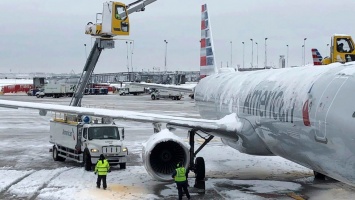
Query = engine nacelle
x=162 y=152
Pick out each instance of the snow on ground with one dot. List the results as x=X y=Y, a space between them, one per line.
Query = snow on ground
x=135 y=183
x=9 y=177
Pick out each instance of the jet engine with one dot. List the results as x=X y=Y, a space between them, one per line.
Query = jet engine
x=162 y=152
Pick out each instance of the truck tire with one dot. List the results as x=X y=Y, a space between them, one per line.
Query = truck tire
x=173 y=98
x=122 y=165
x=200 y=168
x=42 y=96
x=55 y=155
x=37 y=95
x=178 y=98
x=124 y=94
x=153 y=97
x=87 y=161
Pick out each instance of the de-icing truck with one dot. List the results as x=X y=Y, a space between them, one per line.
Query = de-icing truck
x=82 y=140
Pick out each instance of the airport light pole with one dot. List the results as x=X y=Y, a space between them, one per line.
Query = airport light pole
x=252 y=52
x=304 y=51
x=243 y=53
x=127 y=57
x=328 y=48
x=86 y=55
x=257 y=55
x=287 y=55
x=166 y=52
x=265 y=54
x=131 y=48
x=231 y=54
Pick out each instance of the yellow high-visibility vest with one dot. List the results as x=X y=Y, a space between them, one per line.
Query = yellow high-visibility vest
x=180 y=174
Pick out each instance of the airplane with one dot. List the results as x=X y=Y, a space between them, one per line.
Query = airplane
x=304 y=114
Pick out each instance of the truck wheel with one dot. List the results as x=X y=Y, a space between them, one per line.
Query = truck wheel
x=37 y=95
x=87 y=161
x=153 y=97
x=200 y=168
x=124 y=94
x=122 y=165
x=173 y=98
x=42 y=96
x=55 y=155
x=178 y=98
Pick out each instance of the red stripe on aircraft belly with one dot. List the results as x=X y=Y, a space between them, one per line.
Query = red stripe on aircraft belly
x=305 y=114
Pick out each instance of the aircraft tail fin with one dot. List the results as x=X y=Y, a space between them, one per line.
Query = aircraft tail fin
x=317 y=58
x=207 y=60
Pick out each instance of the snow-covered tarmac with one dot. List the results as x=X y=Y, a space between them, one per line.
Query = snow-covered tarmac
x=28 y=171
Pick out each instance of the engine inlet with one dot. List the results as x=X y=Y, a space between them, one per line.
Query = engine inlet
x=166 y=156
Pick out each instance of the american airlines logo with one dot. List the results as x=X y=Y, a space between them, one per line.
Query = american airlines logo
x=68 y=133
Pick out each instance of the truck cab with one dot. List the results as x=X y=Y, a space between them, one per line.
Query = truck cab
x=103 y=139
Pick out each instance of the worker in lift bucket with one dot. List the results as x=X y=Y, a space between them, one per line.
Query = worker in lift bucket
x=341 y=48
x=180 y=177
x=102 y=168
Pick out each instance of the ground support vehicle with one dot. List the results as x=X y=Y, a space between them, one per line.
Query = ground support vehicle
x=56 y=90
x=84 y=140
x=342 y=49
x=162 y=93
x=131 y=89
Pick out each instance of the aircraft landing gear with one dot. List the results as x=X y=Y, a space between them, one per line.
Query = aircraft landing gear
x=199 y=165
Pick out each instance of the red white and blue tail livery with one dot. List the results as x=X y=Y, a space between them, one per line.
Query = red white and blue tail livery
x=207 y=61
x=317 y=58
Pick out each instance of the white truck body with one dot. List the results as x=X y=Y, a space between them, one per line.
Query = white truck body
x=131 y=89
x=84 y=142
x=163 y=93
x=56 y=90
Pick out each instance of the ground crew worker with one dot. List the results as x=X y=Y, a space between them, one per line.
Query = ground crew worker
x=102 y=167
x=180 y=177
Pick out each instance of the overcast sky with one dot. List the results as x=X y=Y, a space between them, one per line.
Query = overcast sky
x=48 y=36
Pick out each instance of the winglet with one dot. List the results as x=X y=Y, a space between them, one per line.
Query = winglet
x=317 y=58
x=207 y=61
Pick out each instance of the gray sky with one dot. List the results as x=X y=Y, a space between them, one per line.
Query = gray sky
x=48 y=36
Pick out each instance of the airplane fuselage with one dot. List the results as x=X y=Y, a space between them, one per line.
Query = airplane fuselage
x=303 y=114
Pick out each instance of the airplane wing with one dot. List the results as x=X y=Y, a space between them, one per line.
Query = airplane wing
x=226 y=127
x=188 y=88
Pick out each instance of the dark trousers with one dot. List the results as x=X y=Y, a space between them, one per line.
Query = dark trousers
x=103 y=178
x=182 y=186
